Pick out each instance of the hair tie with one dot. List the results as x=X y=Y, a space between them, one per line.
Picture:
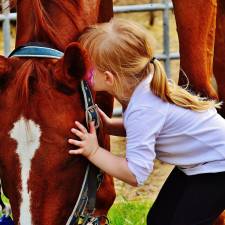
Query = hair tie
x=152 y=60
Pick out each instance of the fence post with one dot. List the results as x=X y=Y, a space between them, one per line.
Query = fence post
x=166 y=37
x=6 y=26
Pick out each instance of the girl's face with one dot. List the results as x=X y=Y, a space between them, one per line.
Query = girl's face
x=105 y=81
x=102 y=81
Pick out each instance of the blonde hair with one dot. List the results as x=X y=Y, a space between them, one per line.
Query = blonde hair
x=124 y=48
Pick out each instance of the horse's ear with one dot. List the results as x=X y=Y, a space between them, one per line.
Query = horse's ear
x=4 y=66
x=75 y=61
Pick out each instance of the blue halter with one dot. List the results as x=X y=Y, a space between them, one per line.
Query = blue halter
x=36 y=52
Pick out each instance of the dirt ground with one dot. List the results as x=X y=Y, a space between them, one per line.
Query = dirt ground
x=152 y=186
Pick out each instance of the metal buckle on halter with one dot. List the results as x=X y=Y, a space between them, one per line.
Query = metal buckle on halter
x=92 y=115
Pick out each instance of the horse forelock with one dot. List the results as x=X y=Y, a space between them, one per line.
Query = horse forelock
x=30 y=74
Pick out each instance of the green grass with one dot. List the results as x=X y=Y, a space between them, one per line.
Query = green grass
x=124 y=213
x=129 y=213
x=4 y=199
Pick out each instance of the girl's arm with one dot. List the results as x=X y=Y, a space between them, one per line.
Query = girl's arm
x=116 y=127
x=113 y=165
x=103 y=159
x=112 y=126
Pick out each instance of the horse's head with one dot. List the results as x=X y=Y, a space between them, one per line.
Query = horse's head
x=39 y=101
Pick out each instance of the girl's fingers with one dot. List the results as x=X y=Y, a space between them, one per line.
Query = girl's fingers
x=92 y=127
x=75 y=142
x=100 y=111
x=77 y=133
x=81 y=127
x=76 y=152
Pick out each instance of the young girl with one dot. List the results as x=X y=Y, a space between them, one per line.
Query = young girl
x=160 y=120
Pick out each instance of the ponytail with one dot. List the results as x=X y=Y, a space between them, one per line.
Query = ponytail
x=169 y=91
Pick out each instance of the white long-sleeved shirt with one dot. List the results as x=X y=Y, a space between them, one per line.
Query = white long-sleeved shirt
x=193 y=141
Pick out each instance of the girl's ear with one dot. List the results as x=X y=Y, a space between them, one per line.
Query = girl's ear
x=109 y=78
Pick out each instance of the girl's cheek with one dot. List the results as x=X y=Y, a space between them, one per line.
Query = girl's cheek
x=93 y=84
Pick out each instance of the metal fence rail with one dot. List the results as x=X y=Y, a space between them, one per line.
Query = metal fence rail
x=165 y=7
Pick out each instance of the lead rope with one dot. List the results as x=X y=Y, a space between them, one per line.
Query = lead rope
x=82 y=201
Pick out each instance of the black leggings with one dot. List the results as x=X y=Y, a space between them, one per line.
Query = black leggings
x=189 y=200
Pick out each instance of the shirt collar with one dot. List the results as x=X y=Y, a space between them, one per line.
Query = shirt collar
x=145 y=83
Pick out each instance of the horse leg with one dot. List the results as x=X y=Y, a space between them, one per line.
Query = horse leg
x=196 y=22
x=219 y=68
x=219 y=58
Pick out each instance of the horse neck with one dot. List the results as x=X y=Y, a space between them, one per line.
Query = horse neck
x=57 y=22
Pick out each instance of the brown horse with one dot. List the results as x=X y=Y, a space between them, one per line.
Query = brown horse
x=200 y=26
x=39 y=101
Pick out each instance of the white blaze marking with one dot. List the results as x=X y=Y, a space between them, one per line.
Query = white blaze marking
x=27 y=134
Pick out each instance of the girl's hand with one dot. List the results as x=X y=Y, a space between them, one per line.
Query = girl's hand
x=112 y=126
x=88 y=145
x=106 y=121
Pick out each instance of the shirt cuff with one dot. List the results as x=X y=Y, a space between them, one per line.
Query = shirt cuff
x=140 y=172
